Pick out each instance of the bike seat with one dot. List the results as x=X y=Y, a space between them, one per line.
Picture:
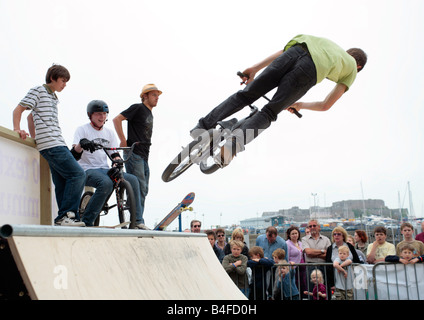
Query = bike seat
x=227 y=124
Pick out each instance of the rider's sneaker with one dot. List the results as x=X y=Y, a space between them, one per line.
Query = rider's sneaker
x=142 y=227
x=69 y=221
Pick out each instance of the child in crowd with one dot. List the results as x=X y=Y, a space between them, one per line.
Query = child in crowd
x=407 y=231
x=236 y=264
x=406 y=255
x=212 y=239
x=343 y=277
x=260 y=266
x=284 y=278
x=320 y=291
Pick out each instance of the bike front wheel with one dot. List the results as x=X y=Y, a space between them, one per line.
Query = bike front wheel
x=85 y=199
x=190 y=154
x=126 y=204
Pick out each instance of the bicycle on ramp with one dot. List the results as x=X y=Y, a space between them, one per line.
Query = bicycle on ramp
x=205 y=151
x=125 y=199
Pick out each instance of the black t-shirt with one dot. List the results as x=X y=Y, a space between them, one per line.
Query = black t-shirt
x=140 y=127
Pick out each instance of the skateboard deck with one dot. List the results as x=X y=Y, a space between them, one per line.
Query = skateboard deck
x=123 y=224
x=182 y=206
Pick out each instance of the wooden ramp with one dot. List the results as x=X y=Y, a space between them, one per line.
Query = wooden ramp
x=94 y=263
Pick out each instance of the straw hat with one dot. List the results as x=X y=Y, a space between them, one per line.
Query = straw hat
x=149 y=87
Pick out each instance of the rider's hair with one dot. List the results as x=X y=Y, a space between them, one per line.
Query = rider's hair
x=360 y=56
x=57 y=71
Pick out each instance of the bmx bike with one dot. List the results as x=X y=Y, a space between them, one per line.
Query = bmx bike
x=125 y=198
x=205 y=150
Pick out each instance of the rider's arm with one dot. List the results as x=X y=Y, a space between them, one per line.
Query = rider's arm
x=251 y=72
x=324 y=105
x=17 y=115
x=117 y=122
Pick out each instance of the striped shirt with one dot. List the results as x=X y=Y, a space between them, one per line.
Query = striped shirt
x=42 y=102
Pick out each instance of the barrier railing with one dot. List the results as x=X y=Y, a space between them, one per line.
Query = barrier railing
x=396 y=281
x=382 y=281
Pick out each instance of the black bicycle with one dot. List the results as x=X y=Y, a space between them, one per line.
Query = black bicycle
x=205 y=151
x=125 y=199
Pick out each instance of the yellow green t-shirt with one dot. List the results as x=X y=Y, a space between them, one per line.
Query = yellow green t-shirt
x=331 y=61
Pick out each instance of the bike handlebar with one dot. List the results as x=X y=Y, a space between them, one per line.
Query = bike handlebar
x=120 y=161
x=242 y=75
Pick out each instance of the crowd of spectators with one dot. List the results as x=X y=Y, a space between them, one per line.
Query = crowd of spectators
x=313 y=267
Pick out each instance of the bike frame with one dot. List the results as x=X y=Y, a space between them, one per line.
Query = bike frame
x=119 y=163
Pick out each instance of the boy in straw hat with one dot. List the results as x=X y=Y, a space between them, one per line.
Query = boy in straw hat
x=140 y=127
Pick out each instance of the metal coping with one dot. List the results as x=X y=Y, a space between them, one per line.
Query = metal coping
x=9 y=230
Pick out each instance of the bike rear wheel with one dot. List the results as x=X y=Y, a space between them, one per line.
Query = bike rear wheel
x=126 y=204
x=189 y=155
x=85 y=199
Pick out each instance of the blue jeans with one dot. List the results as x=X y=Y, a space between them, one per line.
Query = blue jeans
x=293 y=73
x=68 y=178
x=139 y=167
x=98 y=178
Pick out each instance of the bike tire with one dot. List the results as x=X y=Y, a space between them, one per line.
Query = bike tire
x=210 y=166
x=85 y=199
x=209 y=169
x=185 y=158
x=126 y=204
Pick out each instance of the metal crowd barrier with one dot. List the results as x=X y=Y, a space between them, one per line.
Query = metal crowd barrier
x=382 y=281
x=396 y=281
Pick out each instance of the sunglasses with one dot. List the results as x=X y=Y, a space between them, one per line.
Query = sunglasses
x=337 y=234
x=312 y=226
x=196 y=226
x=220 y=235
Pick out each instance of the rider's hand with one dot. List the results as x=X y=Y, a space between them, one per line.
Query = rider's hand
x=294 y=106
x=87 y=145
x=250 y=72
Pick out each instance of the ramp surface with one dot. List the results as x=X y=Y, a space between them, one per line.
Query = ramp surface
x=119 y=264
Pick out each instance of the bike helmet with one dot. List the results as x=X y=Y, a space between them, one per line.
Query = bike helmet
x=97 y=106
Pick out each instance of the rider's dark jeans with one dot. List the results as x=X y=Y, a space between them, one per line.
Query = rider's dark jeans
x=68 y=178
x=99 y=179
x=139 y=167
x=293 y=73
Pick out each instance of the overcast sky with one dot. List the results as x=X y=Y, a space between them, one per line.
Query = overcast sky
x=192 y=50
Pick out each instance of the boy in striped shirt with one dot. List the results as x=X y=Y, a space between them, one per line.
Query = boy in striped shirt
x=68 y=177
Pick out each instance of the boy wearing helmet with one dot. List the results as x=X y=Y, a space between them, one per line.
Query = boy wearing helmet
x=68 y=177
x=95 y=162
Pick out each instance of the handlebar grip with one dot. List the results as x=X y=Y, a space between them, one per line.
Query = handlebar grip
x=297 y=113
x=97 y=146
x=242 y=75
